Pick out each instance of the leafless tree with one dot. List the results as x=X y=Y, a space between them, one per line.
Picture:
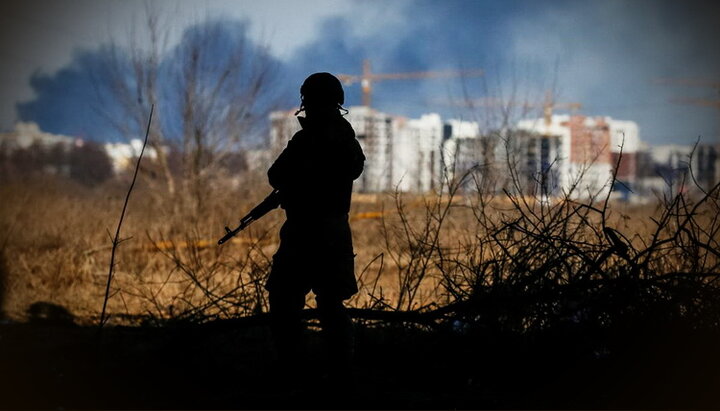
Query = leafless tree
x=210 y=90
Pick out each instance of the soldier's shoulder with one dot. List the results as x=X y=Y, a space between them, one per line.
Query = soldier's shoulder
x=346 y=128
x=299 y=136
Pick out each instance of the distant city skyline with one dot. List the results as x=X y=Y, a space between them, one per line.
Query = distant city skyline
x=420 y=154
x=607 y=55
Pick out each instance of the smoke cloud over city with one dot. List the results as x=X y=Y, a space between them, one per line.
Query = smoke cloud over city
x=610 y=56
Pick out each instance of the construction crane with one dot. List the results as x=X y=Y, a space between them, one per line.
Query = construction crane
x=691 y=82
x=549 y=105
x=367 y=78
x=710 y=174
x=698 y=102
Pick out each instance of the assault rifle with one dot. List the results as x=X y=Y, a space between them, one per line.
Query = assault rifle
x=270 y=202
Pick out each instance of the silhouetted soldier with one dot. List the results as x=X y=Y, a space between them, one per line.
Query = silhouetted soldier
x=314 y=176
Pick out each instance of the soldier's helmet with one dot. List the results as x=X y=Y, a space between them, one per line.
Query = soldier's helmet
x=322 y=89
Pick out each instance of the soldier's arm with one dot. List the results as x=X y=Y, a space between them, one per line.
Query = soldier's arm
x=281 y=172
x=357 y=160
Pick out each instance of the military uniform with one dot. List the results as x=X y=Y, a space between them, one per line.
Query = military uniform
x=314 y=175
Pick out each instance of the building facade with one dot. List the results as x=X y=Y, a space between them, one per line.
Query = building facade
x=573 y=155
x=577 y=155
x=401 y=154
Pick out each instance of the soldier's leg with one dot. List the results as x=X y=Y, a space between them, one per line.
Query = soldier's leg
x=287 y=329
x=337 y=329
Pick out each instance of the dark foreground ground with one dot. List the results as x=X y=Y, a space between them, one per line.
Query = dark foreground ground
x=227 y=366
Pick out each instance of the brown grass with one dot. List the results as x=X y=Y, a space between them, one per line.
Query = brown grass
x=56 y=249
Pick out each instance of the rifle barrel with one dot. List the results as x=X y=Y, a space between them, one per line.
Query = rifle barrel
x=270 y=202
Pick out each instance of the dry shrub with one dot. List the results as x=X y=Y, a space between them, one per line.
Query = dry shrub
x=521 y=263
x=466 y=256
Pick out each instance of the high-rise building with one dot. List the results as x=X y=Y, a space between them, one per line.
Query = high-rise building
x=706 y=163
x=416 y=155
x=624 y=147
x=570 y=154
x=376 y=133
x=678 y=168
x=461 y=148
x=401 y=154
x=577 y=154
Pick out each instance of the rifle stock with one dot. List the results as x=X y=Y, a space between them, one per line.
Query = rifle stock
x=271 y=202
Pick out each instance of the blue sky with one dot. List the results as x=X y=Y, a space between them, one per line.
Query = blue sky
x=604 y=54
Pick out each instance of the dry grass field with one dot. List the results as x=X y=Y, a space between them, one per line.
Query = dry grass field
x=413 y=252
x=466 y=301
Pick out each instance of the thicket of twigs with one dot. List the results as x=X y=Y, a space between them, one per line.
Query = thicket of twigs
x=465 y=258
x=542 y=265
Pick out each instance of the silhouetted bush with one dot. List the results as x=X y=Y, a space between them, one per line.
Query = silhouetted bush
x=26 y=162
x=48 y=313
x=87 y=163
x=3 y=279
x=90 y=164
